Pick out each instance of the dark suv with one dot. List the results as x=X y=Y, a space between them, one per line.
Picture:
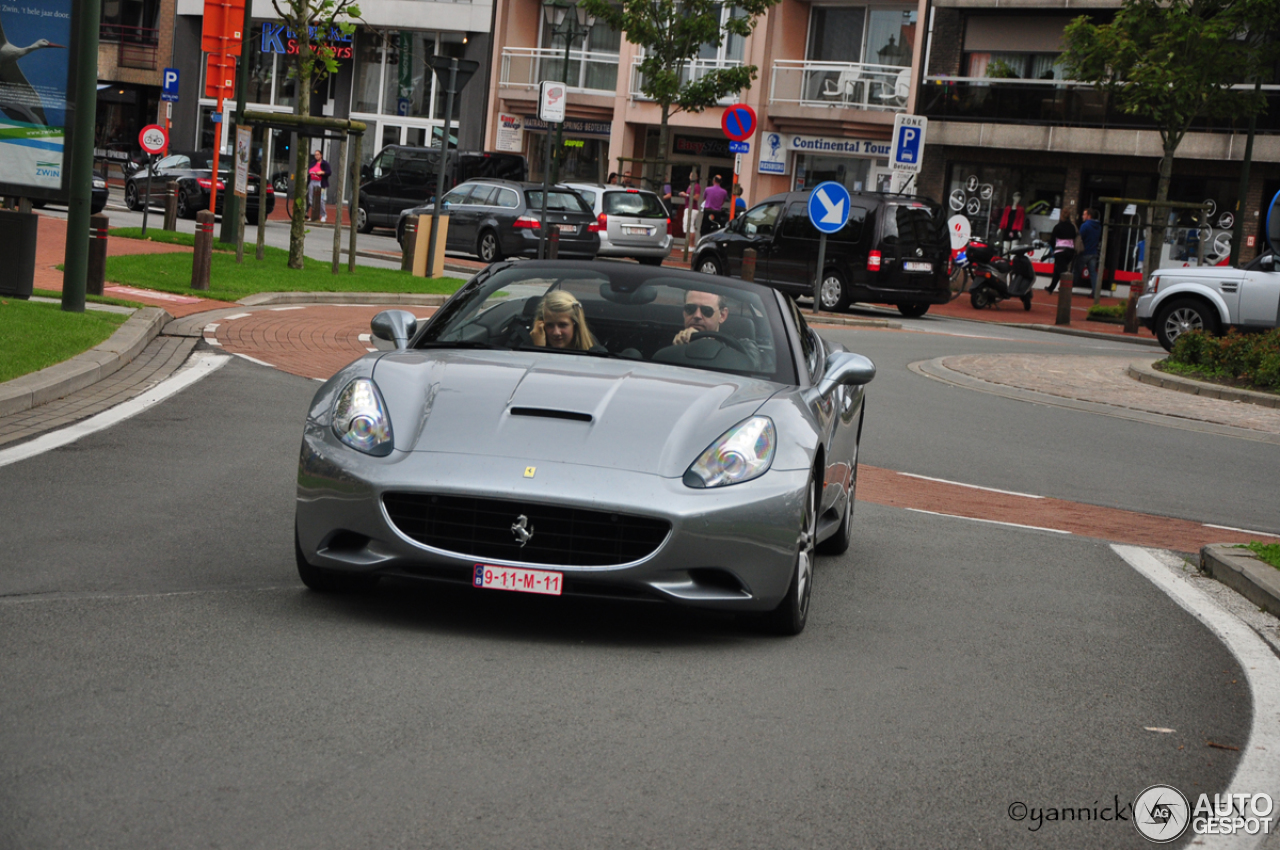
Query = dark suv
x=493 y=219
x=403 y=176
x=893 y=250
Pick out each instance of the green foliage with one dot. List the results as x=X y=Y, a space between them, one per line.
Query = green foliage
x=1266 y=552
x=35 y=335
x=672 y=32
x=1253 y=358
x=318 y=60
x=1175 y=60
x=998 y=69
x=1107 y=311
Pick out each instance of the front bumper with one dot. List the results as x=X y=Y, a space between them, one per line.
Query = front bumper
x=731 y=548
x=1146 y=308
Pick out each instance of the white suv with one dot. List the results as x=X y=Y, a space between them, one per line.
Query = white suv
x=1211 y=299
x=632 y=222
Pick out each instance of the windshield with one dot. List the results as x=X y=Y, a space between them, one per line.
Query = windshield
x=630 y=313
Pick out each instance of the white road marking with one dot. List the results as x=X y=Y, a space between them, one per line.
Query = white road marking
x=991 y=521
x=370 y=349
x=255 y=360
x=971 y=486
x=236 y=316
x=365 y=337
x=1241 y=530
x=211 y=327
x=201 y=364
x=1259 y=769
x=941 y=332
x=282 y=309
x=211 y=341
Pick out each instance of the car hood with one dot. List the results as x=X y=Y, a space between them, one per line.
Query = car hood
x=1201 y=274
x=535 y=406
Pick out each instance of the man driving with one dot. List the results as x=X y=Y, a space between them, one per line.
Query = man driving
x=703 y=313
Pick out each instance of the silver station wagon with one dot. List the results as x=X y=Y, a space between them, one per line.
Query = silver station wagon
x=633 y=223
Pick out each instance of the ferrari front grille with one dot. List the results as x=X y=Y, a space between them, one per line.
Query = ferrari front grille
x=494 y=529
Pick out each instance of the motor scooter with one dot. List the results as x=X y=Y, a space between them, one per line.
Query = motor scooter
x=995 y=278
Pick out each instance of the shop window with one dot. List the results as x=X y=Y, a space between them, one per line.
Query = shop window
x=453 y=46
x=407 y=87
x=1002 y=201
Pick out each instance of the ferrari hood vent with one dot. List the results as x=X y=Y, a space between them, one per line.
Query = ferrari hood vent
x=548 y=413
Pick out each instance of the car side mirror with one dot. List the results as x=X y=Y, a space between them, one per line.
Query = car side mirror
x=846 y=369
x=1268 y=263
x=395 y=326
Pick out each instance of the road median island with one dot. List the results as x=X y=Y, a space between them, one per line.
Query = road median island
x=1244 y=572
x=1144 y=371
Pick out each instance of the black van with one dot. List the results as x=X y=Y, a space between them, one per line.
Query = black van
x=404 y=176
x=893 y=250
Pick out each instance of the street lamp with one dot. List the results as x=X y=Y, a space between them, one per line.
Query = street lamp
x=570 y=28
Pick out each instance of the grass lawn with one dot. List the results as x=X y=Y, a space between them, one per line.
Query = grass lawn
x=1269 y=552
x=91 y=299
x=35 y=335
x=231 y=282
x=173 y=237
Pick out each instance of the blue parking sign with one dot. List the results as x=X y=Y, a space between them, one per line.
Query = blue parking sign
x=169 y=87
x=907 y=146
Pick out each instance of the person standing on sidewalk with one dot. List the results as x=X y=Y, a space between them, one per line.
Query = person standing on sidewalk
x=692 y=198
x=1064 y=249
x=713 y=206
x=318 y=185
x=1090 y=238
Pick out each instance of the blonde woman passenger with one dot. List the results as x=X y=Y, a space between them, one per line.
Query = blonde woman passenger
x=560 y=323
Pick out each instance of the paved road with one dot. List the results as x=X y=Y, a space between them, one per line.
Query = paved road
x=169 y=683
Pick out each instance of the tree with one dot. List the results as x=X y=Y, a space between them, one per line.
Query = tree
x=672 y=32
x=1174 y=61
x=312 y=22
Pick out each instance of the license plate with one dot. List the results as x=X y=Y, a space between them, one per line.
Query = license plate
x=521 y=581
x=568 y=228
x=917 y=267
x=636 y=231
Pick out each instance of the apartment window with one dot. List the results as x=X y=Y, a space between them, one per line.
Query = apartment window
x=875 y=36
x=1020 y=66
x=731 y=47
x=122 y=18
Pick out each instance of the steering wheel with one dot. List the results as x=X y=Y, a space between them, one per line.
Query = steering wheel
x=730 y=341
x=515 y=332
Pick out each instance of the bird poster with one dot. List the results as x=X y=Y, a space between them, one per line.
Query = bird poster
x=34 y=78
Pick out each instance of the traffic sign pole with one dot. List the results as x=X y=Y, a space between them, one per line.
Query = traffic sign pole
x=817 y=283
x=146 y=204
x=828 y=208
x=153 y=139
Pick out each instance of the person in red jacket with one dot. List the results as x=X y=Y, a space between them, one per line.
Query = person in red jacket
x=318 y=185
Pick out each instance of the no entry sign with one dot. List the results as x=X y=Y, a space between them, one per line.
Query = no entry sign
x=739 y=122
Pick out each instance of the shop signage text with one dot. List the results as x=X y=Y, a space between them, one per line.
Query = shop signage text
x=701 y=146
x=774 y=148
x=278 y=38
x=582 y=128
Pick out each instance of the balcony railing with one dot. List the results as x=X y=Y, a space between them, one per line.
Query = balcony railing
x=1059 y=102
x=695 y=70
x=589 y=71
x=858 y=85
x=138 y=46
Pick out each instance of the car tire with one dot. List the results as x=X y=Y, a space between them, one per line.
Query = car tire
x=650 y=261
x=185 y=209
x=1182 y=315
x=914 y=310
x=131 y=196
x=363 y=224
x=251 y=218
x=980 y=297
x=708 y=264
x=329 y=581
x=488 y=248
x=834 y=292
x=792 y=613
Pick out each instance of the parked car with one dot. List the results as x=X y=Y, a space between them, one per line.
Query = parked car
x=403 y=176
x=1212 y=299
x=493 y=219
x=632 y=223
x=893 y=250
x=97 y=198
x=194 y=172
x=617 y=464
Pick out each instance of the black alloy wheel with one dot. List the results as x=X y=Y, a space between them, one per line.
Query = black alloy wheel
x=914 y=310
x=131 y=199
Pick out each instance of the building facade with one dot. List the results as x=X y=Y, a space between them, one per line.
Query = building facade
x=831 y=77
x=135 y=40
x=382 y=77
x=1011 y=142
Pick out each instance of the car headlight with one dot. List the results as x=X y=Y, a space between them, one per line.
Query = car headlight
x=360 y=418
x=742 y=453
x=1153 y=285
x=99 y=183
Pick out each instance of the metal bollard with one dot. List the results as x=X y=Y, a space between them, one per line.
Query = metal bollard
x=749 y=264
x=1065 y=283
x=410 y=243
x=202 y=257
x=553 y=244
x=171 y=205
x=97 y=276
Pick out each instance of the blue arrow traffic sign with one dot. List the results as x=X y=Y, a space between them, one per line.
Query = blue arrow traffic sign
x=829 y=206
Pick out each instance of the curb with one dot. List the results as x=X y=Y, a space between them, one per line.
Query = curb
x=1060 y=329
x=265 y=299
x=84 y=369
x=1147 y=375
x=847 y=321
x=1243 y=572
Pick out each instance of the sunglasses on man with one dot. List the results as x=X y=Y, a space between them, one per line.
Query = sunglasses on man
x=706 y=310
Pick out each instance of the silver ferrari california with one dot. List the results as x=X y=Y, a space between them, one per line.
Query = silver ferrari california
x=589 y=428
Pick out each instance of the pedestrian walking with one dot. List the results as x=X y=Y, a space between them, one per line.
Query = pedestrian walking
x=318 y=185
x=739 y=204
x=1090 y=238
x=692 y=199
x=1064 y=249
